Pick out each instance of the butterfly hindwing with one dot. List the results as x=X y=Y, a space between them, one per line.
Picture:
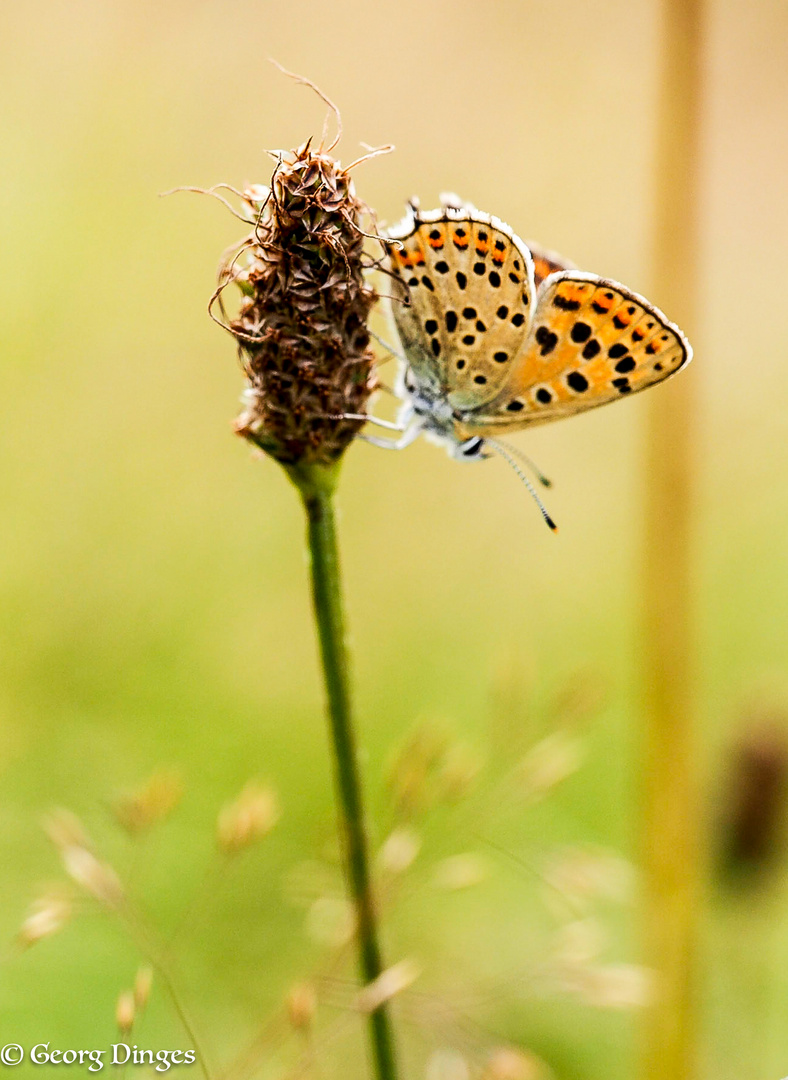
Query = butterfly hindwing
x=592 y=341
x=471 y=293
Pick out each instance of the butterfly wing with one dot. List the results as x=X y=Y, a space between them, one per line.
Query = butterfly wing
x=470 y=294
x=547 y=262
x=591 y=341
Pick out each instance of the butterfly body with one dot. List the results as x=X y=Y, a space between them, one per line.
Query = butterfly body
x=499 y=335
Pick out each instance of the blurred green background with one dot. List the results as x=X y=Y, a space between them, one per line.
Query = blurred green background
x=154 y=596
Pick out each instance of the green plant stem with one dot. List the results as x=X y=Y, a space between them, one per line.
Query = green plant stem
x=316 y=487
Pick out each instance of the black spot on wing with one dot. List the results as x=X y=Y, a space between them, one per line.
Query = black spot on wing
x=625 y=364
x=547 y=339
x=565 y=305
x=591 y=350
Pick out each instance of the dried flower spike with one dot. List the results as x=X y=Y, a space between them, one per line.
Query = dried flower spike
x=74 y=847
x=47 y=916
x=247 y=819
x=125 y=1012
x=301 y=1005
x=301 y=329
x=509 y=1063
x=143 y=983
x=390 y=982
x=140 y=810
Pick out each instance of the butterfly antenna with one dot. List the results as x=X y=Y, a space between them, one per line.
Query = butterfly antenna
x=504 y=453
x=515 y=451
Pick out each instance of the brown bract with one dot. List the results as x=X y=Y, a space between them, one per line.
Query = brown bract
x=301 y=329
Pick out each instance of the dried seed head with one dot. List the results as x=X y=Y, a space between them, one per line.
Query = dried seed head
x=247 y=819
x=331 y=920
x=447 y=1065
x=65 y=829
x=549 y=762
x=301 y=1005
x=399 y=850
x=390 y=982
x=459 y=772
x=301 y=328
x=508 y=1063
x=609 y=986
x=580 y=941
x=581 y=875
x=95 y=877
x=82 y=866
x=150 y=804
x=143 y=984
x=48 y=914
x=753 y=821
x=461 y=871
x=415 y=775
x=125 y=1012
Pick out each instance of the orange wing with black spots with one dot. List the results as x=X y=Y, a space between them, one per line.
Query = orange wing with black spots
x=470 y=292
x=592 y=341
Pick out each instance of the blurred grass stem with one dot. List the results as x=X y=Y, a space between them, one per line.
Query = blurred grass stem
x=316 y=484
x=671 y=851
x=158 y=957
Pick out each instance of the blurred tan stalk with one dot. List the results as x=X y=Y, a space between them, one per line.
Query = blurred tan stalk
x=671 y=851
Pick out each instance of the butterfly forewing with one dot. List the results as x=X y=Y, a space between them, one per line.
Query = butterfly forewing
x=591 y=341
x=471 y=292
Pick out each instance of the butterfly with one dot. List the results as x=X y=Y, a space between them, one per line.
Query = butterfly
x=498 y=335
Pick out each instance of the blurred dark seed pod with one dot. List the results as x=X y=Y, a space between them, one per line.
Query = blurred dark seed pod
x=754 y=799
x=301 y=328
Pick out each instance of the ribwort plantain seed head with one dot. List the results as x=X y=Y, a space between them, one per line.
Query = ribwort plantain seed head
x=301 y=328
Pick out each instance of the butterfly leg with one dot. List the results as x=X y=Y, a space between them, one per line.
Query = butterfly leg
x=389 y=348
x=411 y=434
x=390 y=424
